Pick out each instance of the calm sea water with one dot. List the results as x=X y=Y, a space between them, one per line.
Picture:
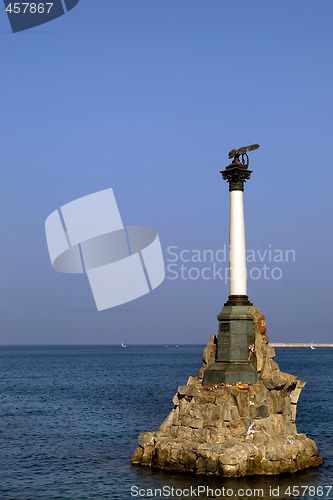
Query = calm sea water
x=71 y=416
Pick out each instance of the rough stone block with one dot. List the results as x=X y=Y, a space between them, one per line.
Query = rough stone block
x=270 y=353
x=286 y=406
x=295 y=394
x=233 y=456
x=137 y=456
x=229 y=470
x=264 y=424
x=259 y=360
x=187 y=458
x=201 y=465
x=174 y=420
x=276 y=402
x=260 y=394
x=184 y=407
x=147 y=455
x=174 y=454
x=277 y=381
x=209 y=353
x=289 y=425
x=189 y=390
x=167 y=422
x=278 y=424
x=208 y=411
x=175 y=400
x=221 y=397
x=184 y=433
x=214 y=423
x=219 y=435
x=260 y=437
x=205 y=397
x=212 y=464
x=146 y=439
x=230 y=443
x=196 y=411
x=311 y=446
x=194 y=423
x=291 y=451
x=201 y=373
x=262 y=411
x=243 y=403
x=174 y=431
x=269 y=467
x=162 y=457
x=275 y=450
x=237 y=428
x=199 y=435
x=226 y=412
x=288 y=387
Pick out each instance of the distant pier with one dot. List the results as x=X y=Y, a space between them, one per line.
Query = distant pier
x=281 y=344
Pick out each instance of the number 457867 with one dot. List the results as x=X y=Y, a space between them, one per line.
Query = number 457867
x=311 y=491
x=29 y=8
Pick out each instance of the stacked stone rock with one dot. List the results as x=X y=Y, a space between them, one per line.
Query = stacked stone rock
x=229 y=430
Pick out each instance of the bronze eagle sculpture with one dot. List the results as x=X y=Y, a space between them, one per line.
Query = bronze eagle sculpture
x=236 y=153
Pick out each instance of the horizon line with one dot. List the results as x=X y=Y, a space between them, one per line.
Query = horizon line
x=273 y=344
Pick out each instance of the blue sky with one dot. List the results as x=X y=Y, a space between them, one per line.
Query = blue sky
x=148 y=97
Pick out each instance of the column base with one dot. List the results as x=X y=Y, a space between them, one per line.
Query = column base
x=236 y=335
x=238 y=300
x=230 y=372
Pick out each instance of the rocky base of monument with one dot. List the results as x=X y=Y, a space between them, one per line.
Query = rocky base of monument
x=233 y=429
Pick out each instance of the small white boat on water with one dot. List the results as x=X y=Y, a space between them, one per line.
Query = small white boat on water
x=311 y=345
x=123 y=345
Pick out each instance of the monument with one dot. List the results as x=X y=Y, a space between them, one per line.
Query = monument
x=235 y=321
x=237 y=416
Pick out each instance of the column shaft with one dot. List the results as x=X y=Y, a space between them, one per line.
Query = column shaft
x=237 y=249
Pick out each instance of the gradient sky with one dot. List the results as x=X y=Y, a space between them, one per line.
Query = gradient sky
x=148 y=97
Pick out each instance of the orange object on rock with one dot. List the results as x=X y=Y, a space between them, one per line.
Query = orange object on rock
x=262 y=325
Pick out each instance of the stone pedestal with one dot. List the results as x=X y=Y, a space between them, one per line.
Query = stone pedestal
x=233 y=429
x=236 y=334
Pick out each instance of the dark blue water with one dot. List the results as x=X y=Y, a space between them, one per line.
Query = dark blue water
x=70 y=418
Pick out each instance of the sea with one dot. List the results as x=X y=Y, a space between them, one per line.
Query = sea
x=70 y=417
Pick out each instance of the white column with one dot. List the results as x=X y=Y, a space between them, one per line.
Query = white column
x=237 y=249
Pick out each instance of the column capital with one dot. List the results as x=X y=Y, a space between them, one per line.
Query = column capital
x=236 y=174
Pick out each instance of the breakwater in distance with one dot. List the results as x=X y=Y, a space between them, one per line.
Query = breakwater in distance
x=281 y=344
